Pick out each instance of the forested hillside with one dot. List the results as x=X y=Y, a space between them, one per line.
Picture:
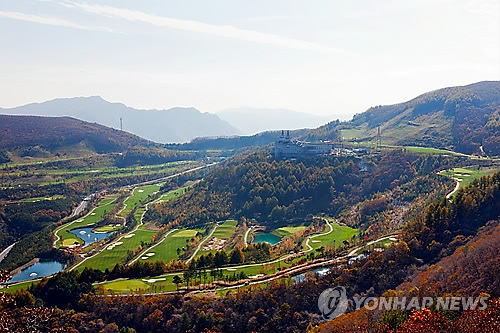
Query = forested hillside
x=25 y=137
x=273 y=191
x=53 y=132
x=284 y=306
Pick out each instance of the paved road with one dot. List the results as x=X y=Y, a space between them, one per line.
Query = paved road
x=353 y=252
x=202 y=242
x=457 y=185
x=314 y=236
x=243 y=284
x=246 y=235
x=5 y=252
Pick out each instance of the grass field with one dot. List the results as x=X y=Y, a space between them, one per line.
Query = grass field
x=18 y=286
x=96 y=215
x=101 y=169
x=336 y=237
x=349 y=134
x=226 y=229
x=467 y=176
x=288 y=230
x=139 y=195
x=116 y=254
x=145 y=285
x=173 y=194
x=167 y=250
x=427 y=150
x=54 y=197
x=164 y=282
x=107 y=228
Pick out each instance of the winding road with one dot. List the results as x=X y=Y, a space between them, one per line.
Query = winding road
x=246 y=235
x=6 y=251
x=202 y=242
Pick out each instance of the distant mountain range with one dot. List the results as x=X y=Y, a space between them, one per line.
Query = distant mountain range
x=165 y=126
x=251 y=121
x=464 y=118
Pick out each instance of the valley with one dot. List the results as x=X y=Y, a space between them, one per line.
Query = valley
x=151 y=222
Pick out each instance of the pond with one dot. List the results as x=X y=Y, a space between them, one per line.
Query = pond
x=261 y=237
x=88 y=236
x=38 y=270
x=320 y=271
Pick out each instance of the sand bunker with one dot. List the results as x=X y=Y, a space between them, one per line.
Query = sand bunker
x=92 y=214
x=144 y=258
x=153 y=280
x=118 y=243
x=231 y=269
x=150 y=254
x=392 y=239
x=140 y=191
x=316 y=241
x=129 y=236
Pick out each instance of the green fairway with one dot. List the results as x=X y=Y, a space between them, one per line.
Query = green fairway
x=54 y=197
x=139 y=196
x=189 y=233
x=167 y=249
x=117 y=251
x=427 y=150
x=226 y=229
x=336 y=237
x=107 y=228
x=144 y=285
x=96 y=215
x=18 y=286
x=288 y=230
x=173 y=194
x=101 y=168
x=467 y=176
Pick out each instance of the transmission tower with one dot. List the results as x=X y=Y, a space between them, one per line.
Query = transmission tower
x=379 y=140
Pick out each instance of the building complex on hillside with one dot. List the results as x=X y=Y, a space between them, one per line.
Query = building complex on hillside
x=285 y=147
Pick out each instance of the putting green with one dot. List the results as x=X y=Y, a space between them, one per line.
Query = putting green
x=336 y=237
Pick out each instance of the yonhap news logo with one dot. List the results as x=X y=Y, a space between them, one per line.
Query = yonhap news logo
x=333 y=302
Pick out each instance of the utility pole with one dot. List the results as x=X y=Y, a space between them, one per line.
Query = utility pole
x=121 y=124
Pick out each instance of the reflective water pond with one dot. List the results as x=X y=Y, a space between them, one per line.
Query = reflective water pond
x=261 y=237
x=39 y=269
x=88 y=236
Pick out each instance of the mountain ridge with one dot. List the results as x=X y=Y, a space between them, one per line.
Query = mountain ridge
x=179 y=124
x=462 y=118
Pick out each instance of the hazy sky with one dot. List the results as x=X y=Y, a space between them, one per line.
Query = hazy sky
x=318 y=56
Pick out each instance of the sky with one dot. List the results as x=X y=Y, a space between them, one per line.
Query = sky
x=325 y=57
